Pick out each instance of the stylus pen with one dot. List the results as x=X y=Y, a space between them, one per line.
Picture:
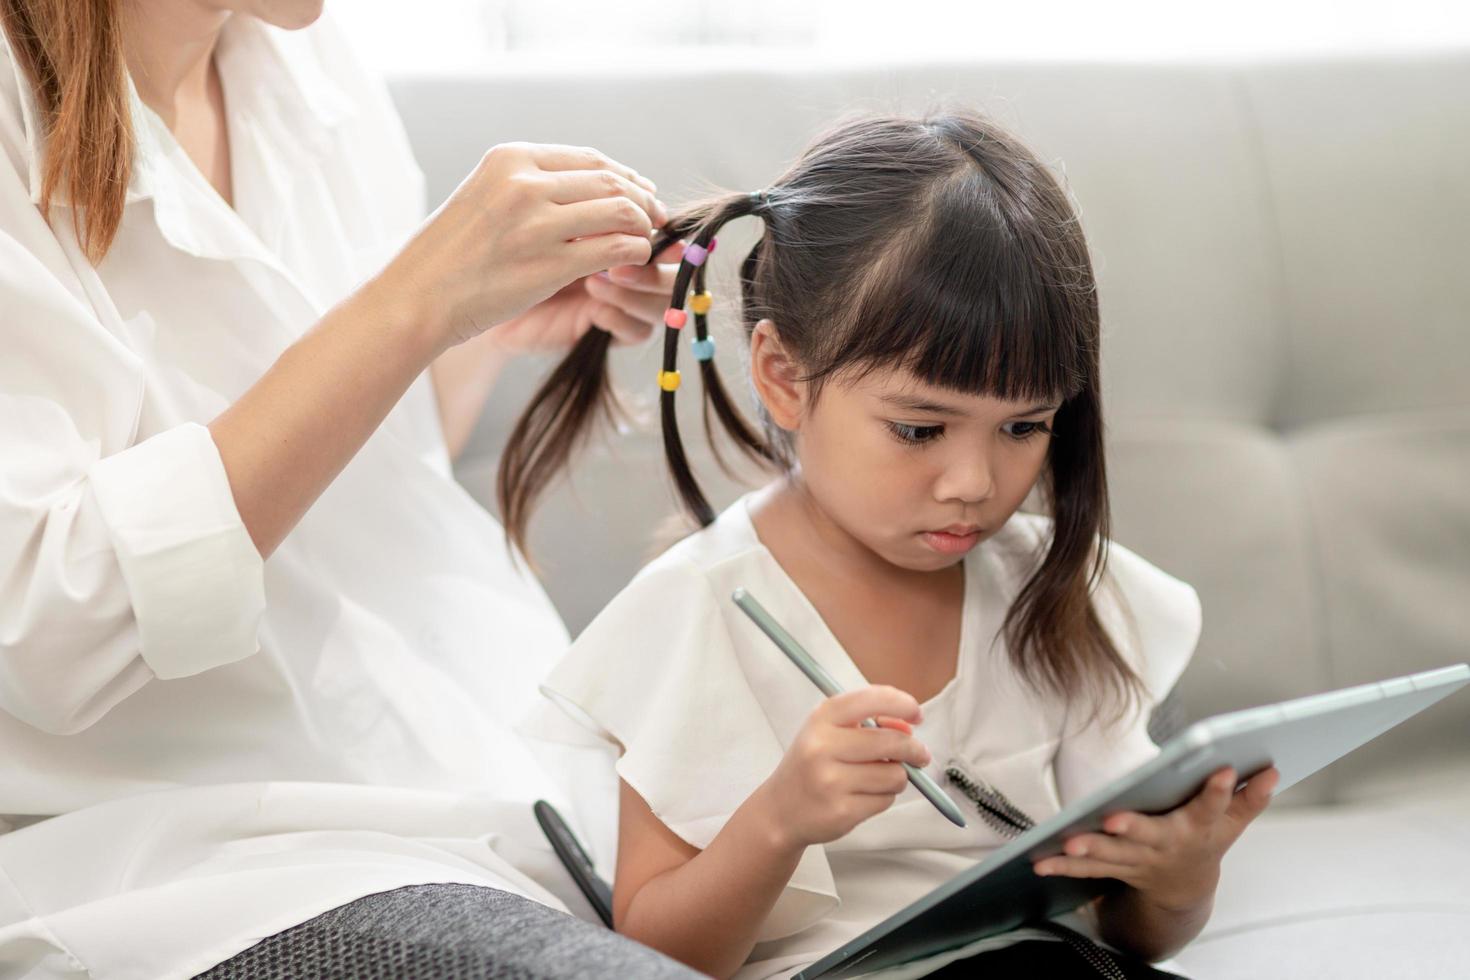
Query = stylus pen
x=574 y=858
x=814 y=672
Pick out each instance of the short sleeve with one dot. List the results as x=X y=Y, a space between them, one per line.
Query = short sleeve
x=1154 y=620
x=656 y=684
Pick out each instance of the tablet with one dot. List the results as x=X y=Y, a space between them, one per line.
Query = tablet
x=1298 y=737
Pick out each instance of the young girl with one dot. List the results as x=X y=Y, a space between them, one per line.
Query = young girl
x=923 y=329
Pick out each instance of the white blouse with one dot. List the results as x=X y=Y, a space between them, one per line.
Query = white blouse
x=696 y=707
x=234 y=746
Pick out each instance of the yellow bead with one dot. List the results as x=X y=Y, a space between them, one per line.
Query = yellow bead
x=700 y=302
x=668 y=380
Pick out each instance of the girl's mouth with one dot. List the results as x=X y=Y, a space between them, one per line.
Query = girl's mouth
x=954 y=540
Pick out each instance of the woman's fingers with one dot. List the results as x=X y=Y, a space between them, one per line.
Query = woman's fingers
x=624 y=328
x=644 y=306
x=556 y=156
x=575 y=186
x=673 y=252
x=590 y=255
x=503 y=241
x=657 y=280
x=608 y=215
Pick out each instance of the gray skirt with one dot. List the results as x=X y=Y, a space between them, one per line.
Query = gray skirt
x=445 y=932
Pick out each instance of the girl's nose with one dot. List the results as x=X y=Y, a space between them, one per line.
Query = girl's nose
x=968 y=479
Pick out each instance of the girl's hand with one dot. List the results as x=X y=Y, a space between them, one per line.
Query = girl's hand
x=627 y=301
x=836 y=774
x=529 y=220
x=1172 y=859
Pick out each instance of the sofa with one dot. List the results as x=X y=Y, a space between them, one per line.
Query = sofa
x=1284 y=266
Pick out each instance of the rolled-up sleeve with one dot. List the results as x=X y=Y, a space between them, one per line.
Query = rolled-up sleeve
x=122 y=559
x=194 y=577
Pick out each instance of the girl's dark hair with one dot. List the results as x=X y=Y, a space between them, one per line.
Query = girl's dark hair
x=937 y=244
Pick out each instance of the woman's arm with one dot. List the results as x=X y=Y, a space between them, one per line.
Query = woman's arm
x=529 y=220
x=126 y=560
x=463 y=378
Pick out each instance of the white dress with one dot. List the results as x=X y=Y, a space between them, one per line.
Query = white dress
x=697 y=707
x=234 y=746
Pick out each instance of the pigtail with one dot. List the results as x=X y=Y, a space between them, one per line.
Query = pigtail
x=576 y=396
x=579 y=394
x=668 y=382
x=717 y=401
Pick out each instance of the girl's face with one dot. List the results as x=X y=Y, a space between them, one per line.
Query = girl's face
x=918 y=475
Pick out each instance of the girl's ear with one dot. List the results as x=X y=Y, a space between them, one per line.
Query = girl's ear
x=776 y=377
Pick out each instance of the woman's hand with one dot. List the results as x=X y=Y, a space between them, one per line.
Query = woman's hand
x=1173 y=859
x=529 y=220
x=836 y=774
x=626 y=301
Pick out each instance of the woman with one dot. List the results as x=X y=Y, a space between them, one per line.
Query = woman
x=259 y=654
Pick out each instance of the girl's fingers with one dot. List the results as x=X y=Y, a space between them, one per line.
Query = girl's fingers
x=643 y=306
x=574 y=186
x=868 y=805
x=1214 y=799
x=850 y=708
x=1251 y=801
x=608 y=215
x=879 y=778
x=625 y=329
x=1139 y=828
x=864 y=745
x=1081 y=867
x=1111 y=850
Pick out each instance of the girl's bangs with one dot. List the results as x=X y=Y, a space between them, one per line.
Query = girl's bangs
x=975 y=305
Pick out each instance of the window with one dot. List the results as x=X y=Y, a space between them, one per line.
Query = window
x=457 y=35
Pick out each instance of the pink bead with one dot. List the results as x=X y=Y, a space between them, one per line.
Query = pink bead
x=675 y=318
x=712 y=243
x=695 y=255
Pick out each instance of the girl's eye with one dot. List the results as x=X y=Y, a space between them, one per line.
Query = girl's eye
x=1021 y=431
x=913 y=435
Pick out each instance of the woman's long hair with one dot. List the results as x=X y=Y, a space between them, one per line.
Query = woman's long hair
x=71 y=51
x=940 y=245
